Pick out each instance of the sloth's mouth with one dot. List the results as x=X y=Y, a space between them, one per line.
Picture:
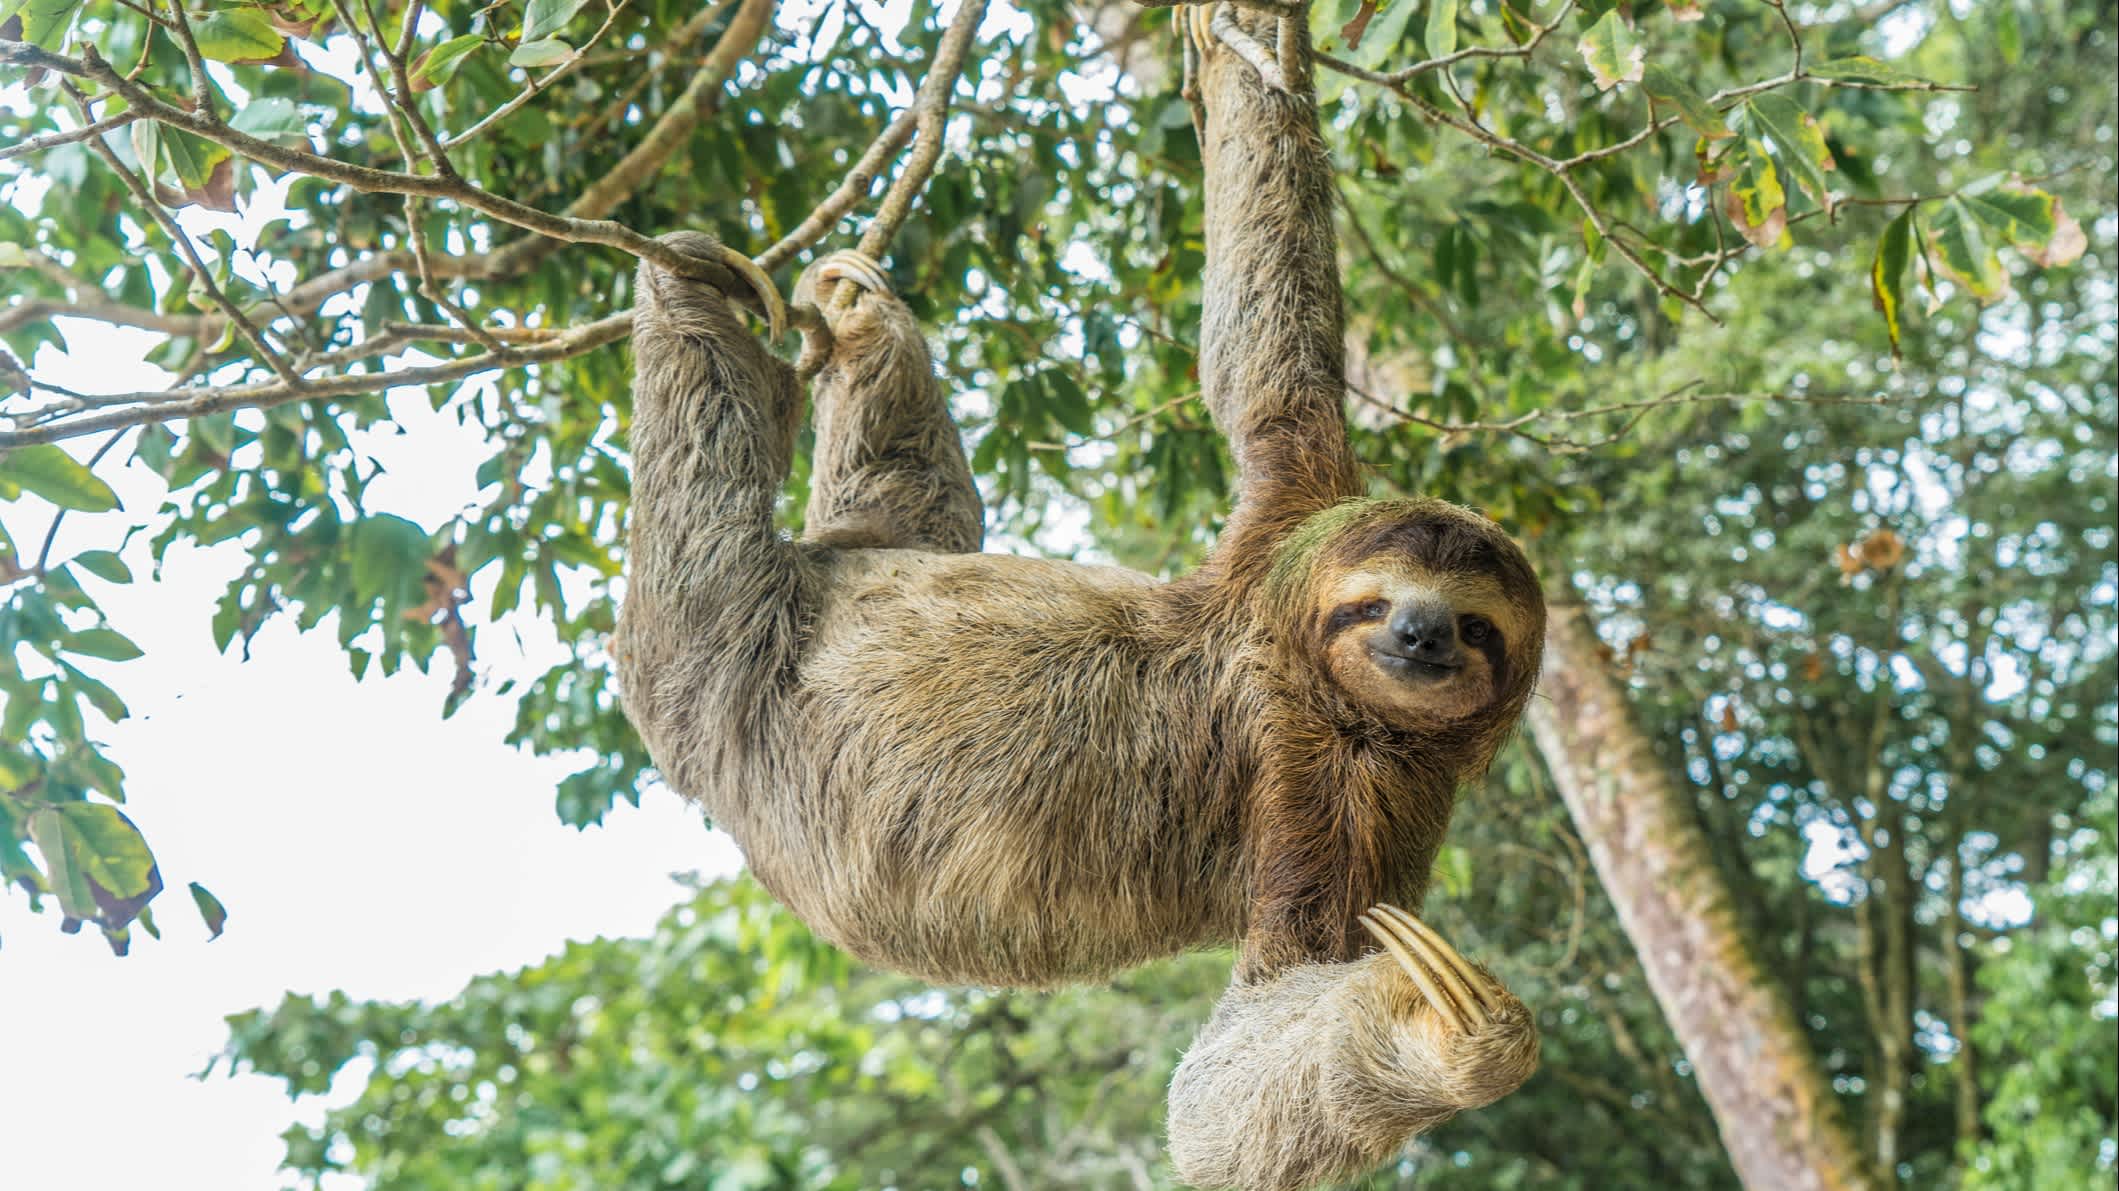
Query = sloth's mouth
x=1413 y=668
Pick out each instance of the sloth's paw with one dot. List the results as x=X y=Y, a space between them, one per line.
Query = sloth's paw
x=819 y=282
x=735 y=272
x=1467 y=1036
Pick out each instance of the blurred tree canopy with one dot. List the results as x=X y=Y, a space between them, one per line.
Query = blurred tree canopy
x=1783 y=332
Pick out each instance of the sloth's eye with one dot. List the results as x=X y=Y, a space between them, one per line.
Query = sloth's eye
x=1475 y=629
x=1373 y=609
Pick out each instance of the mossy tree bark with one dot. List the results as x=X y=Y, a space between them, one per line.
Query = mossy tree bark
x=1777 y=1115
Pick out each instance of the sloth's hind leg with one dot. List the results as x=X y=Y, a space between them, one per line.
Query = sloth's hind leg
x=889 y=466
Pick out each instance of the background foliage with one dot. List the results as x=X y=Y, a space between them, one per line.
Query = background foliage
x=1866 y=606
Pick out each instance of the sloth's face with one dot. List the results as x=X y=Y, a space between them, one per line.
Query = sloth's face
x=1418 y=645
x=1430 y=617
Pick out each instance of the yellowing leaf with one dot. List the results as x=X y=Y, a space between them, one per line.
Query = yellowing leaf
x=1757 y=203
x=1797 y=140
x=1887 y=276
x=1612 y=51
x=58 y=477
x=244 y=36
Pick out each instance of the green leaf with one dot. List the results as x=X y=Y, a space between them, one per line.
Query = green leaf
x=274 y=119
x=1797 y=139
x=1693 y=109
x=56 y=476
x=1441 y=35
x=102 y=697
x=1887 y=276
x=549 y=51
x=104 y=564
x=1612 y=51
x=438 y=65
x=2008 y=32
x=108 y=644
x=211 y=911
x=46 y=23
x=98 y=865
x=547 y=17
x=1958 y=248
x=192 y=160
x=1861 y=69
x=238 y=35
x=389 y=555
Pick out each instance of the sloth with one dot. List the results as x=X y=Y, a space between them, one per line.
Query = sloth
x=982 y=768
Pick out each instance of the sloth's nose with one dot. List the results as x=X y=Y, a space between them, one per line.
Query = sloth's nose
x=1427 y=634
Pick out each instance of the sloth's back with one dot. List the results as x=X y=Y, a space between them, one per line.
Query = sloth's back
x=1015 y=774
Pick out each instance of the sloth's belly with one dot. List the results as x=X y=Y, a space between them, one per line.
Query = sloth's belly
x=1008 y=784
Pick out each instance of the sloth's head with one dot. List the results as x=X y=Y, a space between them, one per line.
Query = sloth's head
x=1422 y=613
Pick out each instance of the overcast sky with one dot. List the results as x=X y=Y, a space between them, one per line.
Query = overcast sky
x=358 y=841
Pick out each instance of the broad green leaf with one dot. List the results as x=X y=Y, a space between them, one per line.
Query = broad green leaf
x=104 y=564
x=46 y=23
x=192 y=160
x=58 y=477
x=438 y=65
x=546 y=17
x=1692 y=108
x=108 y=644
x=1441 y=35
x=273 y=119
x=389 y=553
x=1958 y=248
x=2008 y=31
x=549 y=51
x=98 y=866
x=211 y=911
x=1614 y=54
x=1887 y=276
x=1861 y=69
x=239 y=35
x=1798 y=141
x=99 y=695
x=13 y=256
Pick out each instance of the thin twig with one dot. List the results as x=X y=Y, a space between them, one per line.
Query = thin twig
x=539 y=83
x=144 y=408
x=200 y=274
x=851 y=190
x=52 y=140
x=931 y=112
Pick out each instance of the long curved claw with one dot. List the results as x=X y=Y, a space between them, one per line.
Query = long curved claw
x=1411 y=953
x=847 y=264
x=1463 y=979
x=769 y=301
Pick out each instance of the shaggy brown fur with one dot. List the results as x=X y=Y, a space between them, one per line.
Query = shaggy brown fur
x=982 y=768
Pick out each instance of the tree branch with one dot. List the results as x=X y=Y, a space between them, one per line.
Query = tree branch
x=931 y=113
x=170 y=405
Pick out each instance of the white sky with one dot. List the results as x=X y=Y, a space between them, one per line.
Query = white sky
x=358 y=840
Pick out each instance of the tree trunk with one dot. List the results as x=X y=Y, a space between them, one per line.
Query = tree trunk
x=1778 y=1119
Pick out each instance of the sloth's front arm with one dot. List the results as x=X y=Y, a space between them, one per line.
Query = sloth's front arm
x=1324 y=1071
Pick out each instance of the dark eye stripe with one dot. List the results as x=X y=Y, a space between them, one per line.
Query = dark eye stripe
x=1346 y=616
